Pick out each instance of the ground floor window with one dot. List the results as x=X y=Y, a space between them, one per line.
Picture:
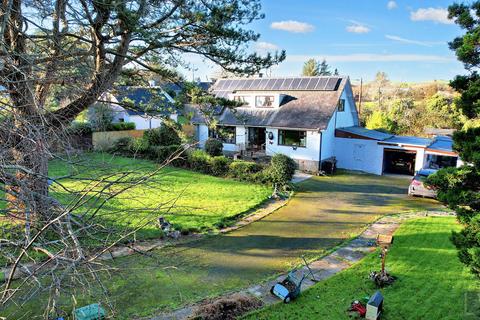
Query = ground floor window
x=226 y=134
x=292 y=138
x=437 y=161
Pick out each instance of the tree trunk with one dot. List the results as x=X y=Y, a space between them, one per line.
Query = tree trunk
x=27 y=188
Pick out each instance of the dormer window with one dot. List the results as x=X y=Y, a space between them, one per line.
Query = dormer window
x=341 y=105
x=241 y=99
x=264 y=101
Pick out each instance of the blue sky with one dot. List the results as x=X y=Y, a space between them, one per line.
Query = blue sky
x=405 y=38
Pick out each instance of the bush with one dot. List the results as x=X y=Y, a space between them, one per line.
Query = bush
x=122 y=145
x=199 y=160
x=162 y=153
x=243 y=170
x=213 y=147
x=219 y=165
x=165 y=135
x=79 y=128
x=281 y=170
x=121 y=126
x=138 y=146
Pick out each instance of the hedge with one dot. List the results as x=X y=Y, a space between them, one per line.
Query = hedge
x=213 y=147
x=121 y=126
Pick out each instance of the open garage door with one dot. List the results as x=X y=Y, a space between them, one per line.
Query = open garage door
x=396 y=161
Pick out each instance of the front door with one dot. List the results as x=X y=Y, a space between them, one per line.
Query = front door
x=256 y=138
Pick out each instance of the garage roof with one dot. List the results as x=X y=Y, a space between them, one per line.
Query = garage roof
x=441 y=144
x=408 y=140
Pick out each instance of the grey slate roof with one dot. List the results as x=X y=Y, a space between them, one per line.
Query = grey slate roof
x=364 y=132
x=148 y=100
x=300 y=109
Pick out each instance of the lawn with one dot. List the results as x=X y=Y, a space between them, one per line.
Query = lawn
x=324 y=212
x=190 y=200
x=432 y=283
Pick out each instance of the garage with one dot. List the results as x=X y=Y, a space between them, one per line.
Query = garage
x=398 y=161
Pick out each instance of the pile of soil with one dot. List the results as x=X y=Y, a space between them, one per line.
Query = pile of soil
x=226 y=308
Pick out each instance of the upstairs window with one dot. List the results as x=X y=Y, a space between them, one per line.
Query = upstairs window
x=264 y=101
x=292 y=138
x=241 y=99
x=341 y=105
x=226 y=134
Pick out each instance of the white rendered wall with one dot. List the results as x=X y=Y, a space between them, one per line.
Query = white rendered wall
x=347 y=118
x=359 y=154
x=310 y=152
x=142 y=123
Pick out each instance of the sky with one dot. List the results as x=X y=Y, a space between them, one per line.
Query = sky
x=407 y=39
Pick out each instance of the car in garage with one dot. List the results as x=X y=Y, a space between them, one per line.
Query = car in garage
x=417 y=186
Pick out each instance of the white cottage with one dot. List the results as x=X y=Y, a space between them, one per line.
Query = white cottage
x=312 y=119
x=292 y=116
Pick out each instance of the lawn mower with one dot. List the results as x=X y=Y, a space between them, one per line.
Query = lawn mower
x=290 y=287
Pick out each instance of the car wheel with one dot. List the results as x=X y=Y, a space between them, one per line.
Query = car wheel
x=271 y=289
x=287 y=299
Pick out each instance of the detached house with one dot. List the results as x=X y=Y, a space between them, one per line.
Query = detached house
x=293 y=116
x=312 y=119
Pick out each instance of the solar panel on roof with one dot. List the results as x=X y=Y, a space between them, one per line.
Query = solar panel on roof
x=233 y=85
x=219 y=85
x=262 y=84
x=295 y=83
x=248 y=84
x=226 y=84
x=241 y=85
x=277 y=84
x=321 y=84
x=270 y=84
x=330 y=85
x=286 y=84
x=312 y=83
x=303 y=83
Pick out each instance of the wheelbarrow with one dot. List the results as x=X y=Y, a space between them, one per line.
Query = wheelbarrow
x=290 y=287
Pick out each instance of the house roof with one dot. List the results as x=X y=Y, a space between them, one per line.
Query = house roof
x=368 y=133
x=150 y=100
x=299 y=108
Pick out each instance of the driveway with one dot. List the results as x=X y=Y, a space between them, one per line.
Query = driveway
x=324 y=212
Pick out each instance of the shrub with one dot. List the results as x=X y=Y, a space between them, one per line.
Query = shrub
x=79 y=128
x=121 y=126
x=198 y=160
x=219 y=165
x=165 y=135
x=163 y=153
x=122 y=145
x=281 y=170
x=213 y=147
x=139 y=146
x=243 y=170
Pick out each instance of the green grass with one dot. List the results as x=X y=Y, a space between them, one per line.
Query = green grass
x=189 y=200
x=324 y=212
x=432 y=283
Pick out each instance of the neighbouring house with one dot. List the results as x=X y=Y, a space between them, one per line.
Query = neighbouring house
x=147 y=107
x=313 y=119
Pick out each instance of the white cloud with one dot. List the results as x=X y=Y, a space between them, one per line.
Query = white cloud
x=438 y=15
x=358 y=28
x=391 y=5
x=292 y=26
x=263 y=46
x=410 y=41
x=374 y=57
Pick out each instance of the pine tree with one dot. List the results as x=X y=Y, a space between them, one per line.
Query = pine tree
x=324 y=68
x=459 y=188
x=311 y=68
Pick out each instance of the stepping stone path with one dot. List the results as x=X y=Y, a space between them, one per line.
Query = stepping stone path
x=325 y=267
